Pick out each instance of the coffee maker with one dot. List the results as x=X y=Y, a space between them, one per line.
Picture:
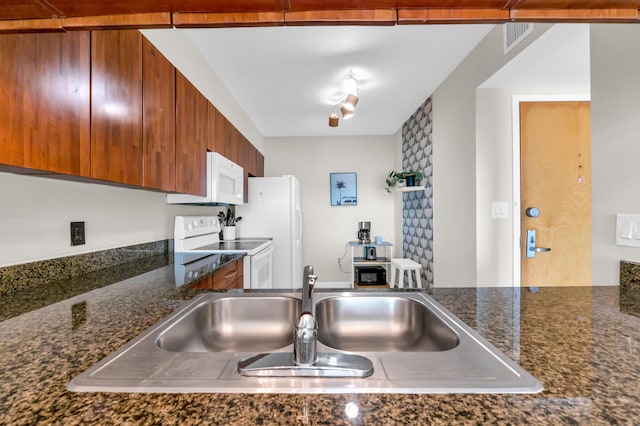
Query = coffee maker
x=364 y=232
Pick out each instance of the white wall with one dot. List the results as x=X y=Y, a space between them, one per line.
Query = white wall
x=35 y=214
x=327 y=229
x=454 y=159
x=615 y=142
x=494 y=173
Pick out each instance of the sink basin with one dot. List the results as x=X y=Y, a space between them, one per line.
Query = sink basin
x=381 y=323
x=233 y=324
x=414 y=345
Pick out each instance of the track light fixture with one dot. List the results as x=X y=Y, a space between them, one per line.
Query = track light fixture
x=333 y=119
x=346 y=113
x=348 y=103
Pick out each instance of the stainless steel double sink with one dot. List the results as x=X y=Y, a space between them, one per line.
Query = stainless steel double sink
x=414 y=344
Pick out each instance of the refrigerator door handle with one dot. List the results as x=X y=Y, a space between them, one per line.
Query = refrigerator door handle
x=299 y=230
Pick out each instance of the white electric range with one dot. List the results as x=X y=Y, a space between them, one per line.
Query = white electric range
x=198 y=250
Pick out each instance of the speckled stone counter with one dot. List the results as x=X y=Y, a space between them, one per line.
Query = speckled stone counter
x=576 y=341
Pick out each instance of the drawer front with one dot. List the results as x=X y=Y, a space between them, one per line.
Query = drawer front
x=228 y=275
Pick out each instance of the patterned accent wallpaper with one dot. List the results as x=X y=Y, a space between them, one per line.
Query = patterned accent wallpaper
x=417 y=206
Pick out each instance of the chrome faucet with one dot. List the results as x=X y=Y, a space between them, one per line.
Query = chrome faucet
x=305 y=336
x=308 y=281
x=306 y=361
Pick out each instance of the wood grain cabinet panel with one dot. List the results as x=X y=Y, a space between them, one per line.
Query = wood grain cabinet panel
x=259 y=164
x=231 y=135
x=229 y=276
x=116 y=106
x=216 y=137
x=159 y=119
x=191 y=138
x=44 y=84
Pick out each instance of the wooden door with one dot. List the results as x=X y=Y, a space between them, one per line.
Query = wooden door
x=555 y=169
x=44 y=85
x=116 y=106
x=159 y=119
x=191 y=138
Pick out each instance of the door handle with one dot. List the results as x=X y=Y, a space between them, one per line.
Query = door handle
x=531 y=244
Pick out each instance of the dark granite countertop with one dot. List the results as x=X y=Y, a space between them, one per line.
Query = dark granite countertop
x=576 y=341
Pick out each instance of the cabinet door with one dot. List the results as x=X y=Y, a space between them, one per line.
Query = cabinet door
x=159 y=119
x=216 y=137
x=44 y=85
x=231 y=135
x=116 y=106
x=259 y=164
x=228 y=276
x=205 y=283
x=191 y=132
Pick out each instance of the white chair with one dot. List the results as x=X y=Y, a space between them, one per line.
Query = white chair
x=402 y=265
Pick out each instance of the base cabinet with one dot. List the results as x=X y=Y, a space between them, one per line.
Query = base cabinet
x=227 y=277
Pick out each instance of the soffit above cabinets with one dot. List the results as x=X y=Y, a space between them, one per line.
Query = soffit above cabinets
x=403 y=11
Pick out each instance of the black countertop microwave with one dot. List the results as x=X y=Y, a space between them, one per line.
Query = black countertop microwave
x=371 y=275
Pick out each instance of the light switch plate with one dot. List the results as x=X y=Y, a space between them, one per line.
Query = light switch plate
x=499 y=210
x=628 y=230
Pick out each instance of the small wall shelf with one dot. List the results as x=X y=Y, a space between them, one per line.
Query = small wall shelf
x=409 y=188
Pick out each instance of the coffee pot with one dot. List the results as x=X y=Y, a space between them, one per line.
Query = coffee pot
x=364 y=232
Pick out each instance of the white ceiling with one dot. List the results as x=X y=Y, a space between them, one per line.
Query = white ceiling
x=288 y=79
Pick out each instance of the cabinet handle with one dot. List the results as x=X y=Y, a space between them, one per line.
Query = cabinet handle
x=231 y=274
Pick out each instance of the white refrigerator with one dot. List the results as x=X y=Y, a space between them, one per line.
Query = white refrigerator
x=274 y=211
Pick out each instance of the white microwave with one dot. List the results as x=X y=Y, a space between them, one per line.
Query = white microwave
x=225 y=184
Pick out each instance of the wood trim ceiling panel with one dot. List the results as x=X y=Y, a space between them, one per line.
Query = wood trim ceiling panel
x=31 y=25
x=45 y=15
x=237 y=19
x=342 y=17
x=137 y=21
x=575 y=15
x=25 y=9
x=452 y=16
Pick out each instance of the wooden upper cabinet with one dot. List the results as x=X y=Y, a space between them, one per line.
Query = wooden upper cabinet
x=216 y=137
x=116 y=106
x=44 y=84
x=231 y=136
x=191 y=138
x=259 y=164
x=252 y=159
x=159 y=119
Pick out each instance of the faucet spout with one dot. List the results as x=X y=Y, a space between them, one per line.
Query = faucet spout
x=308 y=281
x=305 y=337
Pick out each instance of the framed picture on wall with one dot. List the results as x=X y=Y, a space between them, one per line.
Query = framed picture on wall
x=343 y=188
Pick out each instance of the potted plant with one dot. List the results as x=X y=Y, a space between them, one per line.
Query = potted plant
x=411 y=177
